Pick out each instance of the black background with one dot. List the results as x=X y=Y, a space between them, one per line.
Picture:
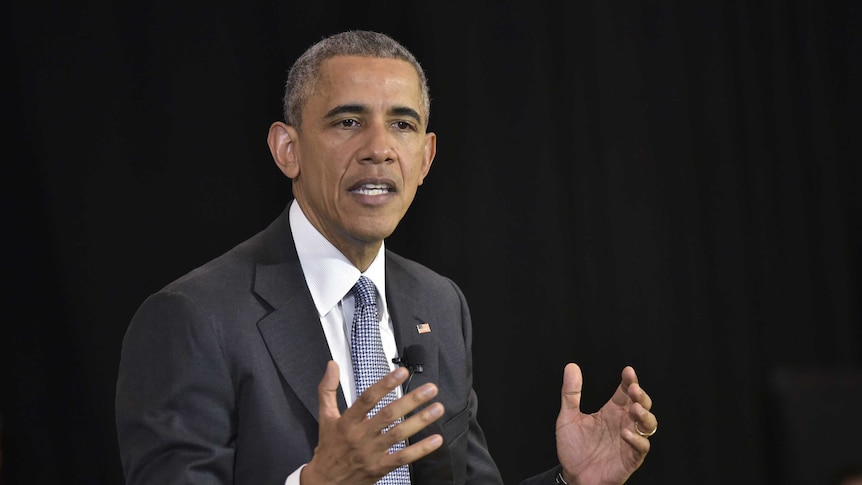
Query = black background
x=671 y=185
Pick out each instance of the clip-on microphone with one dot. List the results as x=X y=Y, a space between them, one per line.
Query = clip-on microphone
x=412 y=359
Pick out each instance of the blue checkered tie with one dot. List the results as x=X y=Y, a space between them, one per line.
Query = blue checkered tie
x=369 y=361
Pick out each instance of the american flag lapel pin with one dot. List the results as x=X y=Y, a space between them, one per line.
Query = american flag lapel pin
x=423 y=328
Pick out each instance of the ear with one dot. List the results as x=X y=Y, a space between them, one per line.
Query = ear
x=282 y=140
x=430 y=153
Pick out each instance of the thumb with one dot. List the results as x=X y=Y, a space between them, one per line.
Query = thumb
x=327 y=392
x=573 y=382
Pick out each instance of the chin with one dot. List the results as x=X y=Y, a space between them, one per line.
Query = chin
x=375 y=227
x=374 y=232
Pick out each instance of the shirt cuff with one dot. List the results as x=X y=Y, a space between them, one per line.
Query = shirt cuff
x=293 y=478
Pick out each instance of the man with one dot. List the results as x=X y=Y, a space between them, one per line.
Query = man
x=248 y=370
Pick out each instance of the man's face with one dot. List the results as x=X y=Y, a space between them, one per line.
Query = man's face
x=362 y=150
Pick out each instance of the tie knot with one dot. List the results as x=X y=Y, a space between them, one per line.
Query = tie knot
x=364 y=292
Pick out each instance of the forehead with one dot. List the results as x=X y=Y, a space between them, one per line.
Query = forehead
x=356 y=79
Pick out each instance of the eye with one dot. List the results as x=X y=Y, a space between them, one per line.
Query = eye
x=404 y=125
x=348 y=123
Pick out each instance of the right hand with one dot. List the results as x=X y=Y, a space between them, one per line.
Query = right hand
x=351 y=446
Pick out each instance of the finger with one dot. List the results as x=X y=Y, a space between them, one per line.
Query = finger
x=633 y=388
x=640 y=443
x=405 y=405
x=375 y=392
x=638 y=395
x=645 y=420
x=573 y=383
x=413 y=452
x=621 y=396
x=407 y=428
x=410 y=426
x=327 y=393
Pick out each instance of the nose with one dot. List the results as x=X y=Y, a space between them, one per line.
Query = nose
x=378 y=145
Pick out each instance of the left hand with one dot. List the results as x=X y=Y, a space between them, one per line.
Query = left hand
x=603 y=447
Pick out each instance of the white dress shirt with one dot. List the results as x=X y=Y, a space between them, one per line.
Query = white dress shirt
x=330 y=276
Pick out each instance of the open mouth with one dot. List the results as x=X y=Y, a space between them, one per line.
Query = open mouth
x=373 y=189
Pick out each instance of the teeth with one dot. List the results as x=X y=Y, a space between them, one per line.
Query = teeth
x=372 y=189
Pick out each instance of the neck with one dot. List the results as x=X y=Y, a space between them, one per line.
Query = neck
x=361 y=256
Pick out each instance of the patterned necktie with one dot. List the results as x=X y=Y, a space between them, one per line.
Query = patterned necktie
x=369 y=361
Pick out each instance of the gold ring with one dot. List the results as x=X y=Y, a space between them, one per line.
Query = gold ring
x=645 y=435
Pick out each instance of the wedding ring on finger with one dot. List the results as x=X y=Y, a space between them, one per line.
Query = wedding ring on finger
x=647 y=434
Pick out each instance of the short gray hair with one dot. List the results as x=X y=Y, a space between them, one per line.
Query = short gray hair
x=306 y=70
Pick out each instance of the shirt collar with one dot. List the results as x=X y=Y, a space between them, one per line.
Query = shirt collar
x=328 y=273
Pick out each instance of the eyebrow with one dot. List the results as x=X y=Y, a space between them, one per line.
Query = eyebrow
x=408 y=112
x=345 y=108
x=361 y=109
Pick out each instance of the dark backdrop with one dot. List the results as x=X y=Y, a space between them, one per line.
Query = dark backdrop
x=672 y=185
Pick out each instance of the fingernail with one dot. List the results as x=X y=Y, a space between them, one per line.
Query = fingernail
x=435 y=410
x=428 y=390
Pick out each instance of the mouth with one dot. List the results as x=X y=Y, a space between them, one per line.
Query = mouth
x=373 y=189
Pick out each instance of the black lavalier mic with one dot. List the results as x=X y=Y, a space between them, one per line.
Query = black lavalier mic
x=412 y=359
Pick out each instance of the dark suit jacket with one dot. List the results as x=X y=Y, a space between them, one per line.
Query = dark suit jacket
x=219 y=371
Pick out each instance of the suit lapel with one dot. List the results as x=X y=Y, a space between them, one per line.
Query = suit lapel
x=292 y=330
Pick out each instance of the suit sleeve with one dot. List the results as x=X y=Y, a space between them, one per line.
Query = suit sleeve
x=175 y=399
x=548 y=477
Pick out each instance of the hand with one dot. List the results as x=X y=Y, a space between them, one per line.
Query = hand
x=603 y=447
x=352 y=448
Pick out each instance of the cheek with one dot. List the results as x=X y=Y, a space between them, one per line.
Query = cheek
x=323 y=167
x=412 y=173
x=413 y=169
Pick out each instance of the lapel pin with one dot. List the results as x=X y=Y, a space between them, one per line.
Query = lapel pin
x=423 y=328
